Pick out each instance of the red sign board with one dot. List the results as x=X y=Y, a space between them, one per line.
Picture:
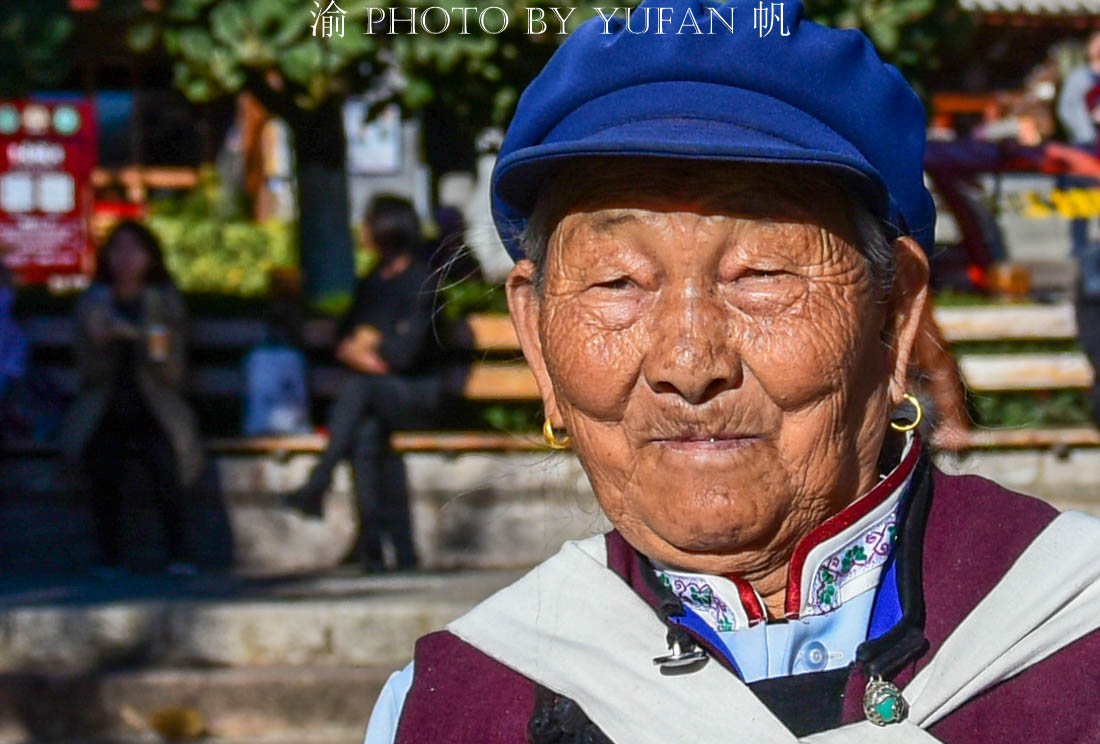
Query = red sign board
x=47 y=152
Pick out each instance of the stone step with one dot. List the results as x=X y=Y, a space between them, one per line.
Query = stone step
x=318 y=705
x=210 y=622
x=473 y=511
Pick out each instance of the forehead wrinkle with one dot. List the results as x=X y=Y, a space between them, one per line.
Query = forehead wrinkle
x=791 y=244
x=621 y=228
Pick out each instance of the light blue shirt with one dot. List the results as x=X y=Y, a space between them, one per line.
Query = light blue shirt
x=382 y=728
x=1073 y=110
x=803 y=645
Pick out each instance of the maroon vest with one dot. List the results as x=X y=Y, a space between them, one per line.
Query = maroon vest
x=975 y=531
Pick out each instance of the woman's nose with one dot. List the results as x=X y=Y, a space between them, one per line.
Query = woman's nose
x=692 y=355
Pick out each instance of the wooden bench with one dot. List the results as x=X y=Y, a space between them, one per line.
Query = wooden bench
x=499 y=380
x=508 y=379
x=505 y=379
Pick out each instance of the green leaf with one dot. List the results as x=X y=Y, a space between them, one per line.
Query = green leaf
x=302 y=61
x=342 y=51
x=229 y=23
x=417 y=93
x=142 y=37
x=186 y=10
x=196 y=45
x=504 y=103
x=199 y=90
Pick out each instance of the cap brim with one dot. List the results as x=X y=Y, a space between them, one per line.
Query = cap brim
x=682 y=120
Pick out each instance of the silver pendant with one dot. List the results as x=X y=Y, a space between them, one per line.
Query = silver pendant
x=680 y=658
x=883 y=703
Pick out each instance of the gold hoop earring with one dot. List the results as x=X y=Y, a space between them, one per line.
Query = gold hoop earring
x=551 y=438
x=916 y=421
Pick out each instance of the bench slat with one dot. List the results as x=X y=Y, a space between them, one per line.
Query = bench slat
x=493 y=332
x=501 y=382
x=487 y=381
x=475 y=441
x=449 y=441
x=1026 y=438
x=1080 y=436
x=203 y=333
x=1007 y=322
x=1004 y=372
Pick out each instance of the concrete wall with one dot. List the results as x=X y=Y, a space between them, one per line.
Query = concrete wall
x=475 y=510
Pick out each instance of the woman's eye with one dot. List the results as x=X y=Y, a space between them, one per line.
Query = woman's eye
x=764 y=273
x=763 y=288
x=621 y=282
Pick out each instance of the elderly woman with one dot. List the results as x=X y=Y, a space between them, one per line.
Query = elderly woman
x=720 y=245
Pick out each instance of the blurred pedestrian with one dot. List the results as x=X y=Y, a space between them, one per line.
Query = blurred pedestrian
x=130 y=353
x=1079 y=113
x=401 y=379
x=1079 y=99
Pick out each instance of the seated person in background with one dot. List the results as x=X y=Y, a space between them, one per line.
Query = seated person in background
x=400 y=381
x=130 y=354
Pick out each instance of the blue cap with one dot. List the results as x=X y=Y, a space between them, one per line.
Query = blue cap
x=817 y=96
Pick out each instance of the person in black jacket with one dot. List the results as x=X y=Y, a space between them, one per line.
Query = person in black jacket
x=400 y=381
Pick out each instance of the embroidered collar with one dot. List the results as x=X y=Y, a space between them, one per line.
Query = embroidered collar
x=840 y=559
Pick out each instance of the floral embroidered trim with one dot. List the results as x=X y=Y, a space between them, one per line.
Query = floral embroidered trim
x=836 y=525
x=703 y=600
x=866 y=554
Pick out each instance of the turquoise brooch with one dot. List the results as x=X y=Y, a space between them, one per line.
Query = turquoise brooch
x=883 y=703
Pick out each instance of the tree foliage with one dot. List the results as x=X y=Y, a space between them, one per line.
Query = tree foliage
x=479 y=76
x=33 y=38
x=912 y=35
x=267 y=46
x=212 y=246
x=270 y=47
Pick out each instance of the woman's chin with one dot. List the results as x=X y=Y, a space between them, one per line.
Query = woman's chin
x=702 y=551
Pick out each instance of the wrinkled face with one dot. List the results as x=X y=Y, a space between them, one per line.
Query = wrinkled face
x=721 y=356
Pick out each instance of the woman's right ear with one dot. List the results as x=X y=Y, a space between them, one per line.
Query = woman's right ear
x=524 y=304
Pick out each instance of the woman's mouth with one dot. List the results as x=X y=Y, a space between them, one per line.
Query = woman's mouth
x=706 y=442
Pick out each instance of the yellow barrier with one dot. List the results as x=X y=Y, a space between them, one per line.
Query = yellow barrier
x=1065 y=203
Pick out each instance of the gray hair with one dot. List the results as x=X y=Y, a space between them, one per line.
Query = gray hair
x=872 y=234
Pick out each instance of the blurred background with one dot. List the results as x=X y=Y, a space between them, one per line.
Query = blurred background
x=206 y=211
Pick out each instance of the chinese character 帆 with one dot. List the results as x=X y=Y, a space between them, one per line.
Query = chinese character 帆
x=765 y=18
